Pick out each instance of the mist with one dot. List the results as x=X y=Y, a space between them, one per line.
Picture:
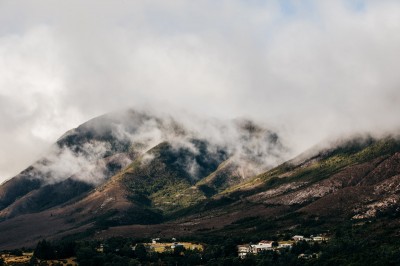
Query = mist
x=98 y=149
x=311 y=71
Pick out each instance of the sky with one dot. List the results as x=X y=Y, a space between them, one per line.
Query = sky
x=311 y=70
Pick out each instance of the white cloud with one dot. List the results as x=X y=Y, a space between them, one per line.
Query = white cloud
x=314 y=69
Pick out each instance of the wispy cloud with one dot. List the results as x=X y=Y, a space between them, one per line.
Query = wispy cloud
x=97 y=149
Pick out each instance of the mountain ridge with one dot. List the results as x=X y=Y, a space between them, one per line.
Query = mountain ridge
x=182 y=184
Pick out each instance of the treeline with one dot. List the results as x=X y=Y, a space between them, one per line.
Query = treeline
x=119 y=251
x=349 y=245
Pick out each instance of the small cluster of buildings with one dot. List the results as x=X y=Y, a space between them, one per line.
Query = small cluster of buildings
x=156 y=246
x=318 y=238
x=262 y=246
x=266 y=245
x=160 y=247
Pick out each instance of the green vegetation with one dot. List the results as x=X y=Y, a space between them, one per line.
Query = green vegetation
x=176 y=196
x=46 y=250
x=165 y=182
x=223 y=178
x=331 y=162
x=350 y=244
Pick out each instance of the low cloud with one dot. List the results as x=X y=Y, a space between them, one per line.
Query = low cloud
x=62 y=163
x=311 y=71
x=115 y=140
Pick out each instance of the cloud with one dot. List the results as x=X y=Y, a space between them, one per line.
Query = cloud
x=96 y=150
x=63 y=163
x=313 y=70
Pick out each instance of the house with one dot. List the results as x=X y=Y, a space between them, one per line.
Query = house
x=100 y=248
x=255 y=249
x=260 y=247
x=317 y=238
x=308 y=256
x=285 y=244
x=266 y=243
x=243 y=250
x=298 y=238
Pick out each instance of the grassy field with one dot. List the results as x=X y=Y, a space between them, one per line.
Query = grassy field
x=25 y=258
x=64 y=262
x=16 y=260
x=164 y=247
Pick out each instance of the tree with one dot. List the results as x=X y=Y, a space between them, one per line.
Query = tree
x=16 y=252
x=85 y=254
x=141 y=252
x=178 y=250
x=134 y=262
x=229 y=248
x=114 y=244
x=44 y=250
x=126 y=250
x=212 y=252
x=33 y=261
x=66 y=249
x=300 y=247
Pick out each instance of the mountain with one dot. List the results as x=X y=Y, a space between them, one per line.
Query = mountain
x=130 y=168
x=142 y=175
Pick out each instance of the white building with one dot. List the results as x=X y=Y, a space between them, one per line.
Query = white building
x=285 y=245
x=298 y=238
x=263 y=245
x=243 y=250
x=319 y=238
x=154 y=240
x=266 y=243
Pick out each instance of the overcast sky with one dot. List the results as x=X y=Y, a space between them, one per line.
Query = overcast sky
x=312 y=69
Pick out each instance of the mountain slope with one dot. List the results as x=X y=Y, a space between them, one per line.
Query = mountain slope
x=130 y=168
x=356 y=182
x=352 y=182
x=143 y=176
